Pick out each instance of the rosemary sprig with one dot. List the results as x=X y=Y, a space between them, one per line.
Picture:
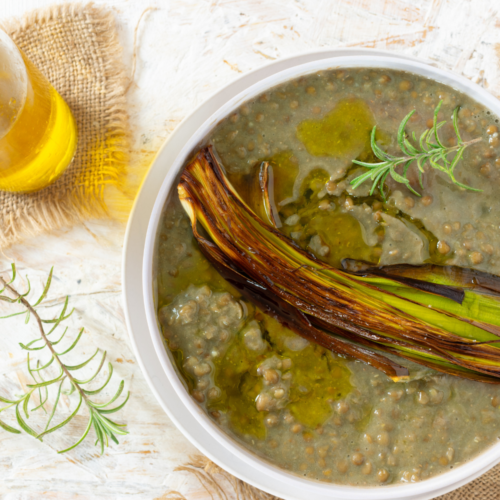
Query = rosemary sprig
x=65 y=381
x=429 y=149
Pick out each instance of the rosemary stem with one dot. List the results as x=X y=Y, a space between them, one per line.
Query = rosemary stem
x=32 y=311
x=404 y=159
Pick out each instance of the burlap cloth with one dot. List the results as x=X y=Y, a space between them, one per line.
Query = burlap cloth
x=76 y=48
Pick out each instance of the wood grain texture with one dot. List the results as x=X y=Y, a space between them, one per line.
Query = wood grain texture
x=188 y=49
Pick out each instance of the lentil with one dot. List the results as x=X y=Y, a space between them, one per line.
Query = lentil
x=382 y=475
x=476 y=257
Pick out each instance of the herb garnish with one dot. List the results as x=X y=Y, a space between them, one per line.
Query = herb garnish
x=105 y=428
x=435 y=153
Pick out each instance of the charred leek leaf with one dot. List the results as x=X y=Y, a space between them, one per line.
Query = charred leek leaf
x=447 y=275
x=434 y=324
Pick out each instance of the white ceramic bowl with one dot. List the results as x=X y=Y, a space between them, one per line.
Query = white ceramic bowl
x=185 y=412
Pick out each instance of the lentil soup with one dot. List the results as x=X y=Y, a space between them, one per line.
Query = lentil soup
x=294 y=403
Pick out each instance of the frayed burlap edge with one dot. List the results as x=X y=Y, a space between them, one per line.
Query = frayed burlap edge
x=87 y=201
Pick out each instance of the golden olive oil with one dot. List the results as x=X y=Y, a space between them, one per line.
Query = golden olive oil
x=41 y=142
x=319 y=378
x=344 y=132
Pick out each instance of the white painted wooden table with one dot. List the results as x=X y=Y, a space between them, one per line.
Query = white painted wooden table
x=188 y=49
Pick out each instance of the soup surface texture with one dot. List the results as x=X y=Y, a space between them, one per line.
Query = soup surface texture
x=292 y=402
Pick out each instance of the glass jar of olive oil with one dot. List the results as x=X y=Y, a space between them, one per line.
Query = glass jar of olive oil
x=37 y=130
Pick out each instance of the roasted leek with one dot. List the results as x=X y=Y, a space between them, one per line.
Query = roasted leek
x=426 y=317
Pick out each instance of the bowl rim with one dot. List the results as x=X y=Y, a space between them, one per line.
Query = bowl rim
x=323 y=490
